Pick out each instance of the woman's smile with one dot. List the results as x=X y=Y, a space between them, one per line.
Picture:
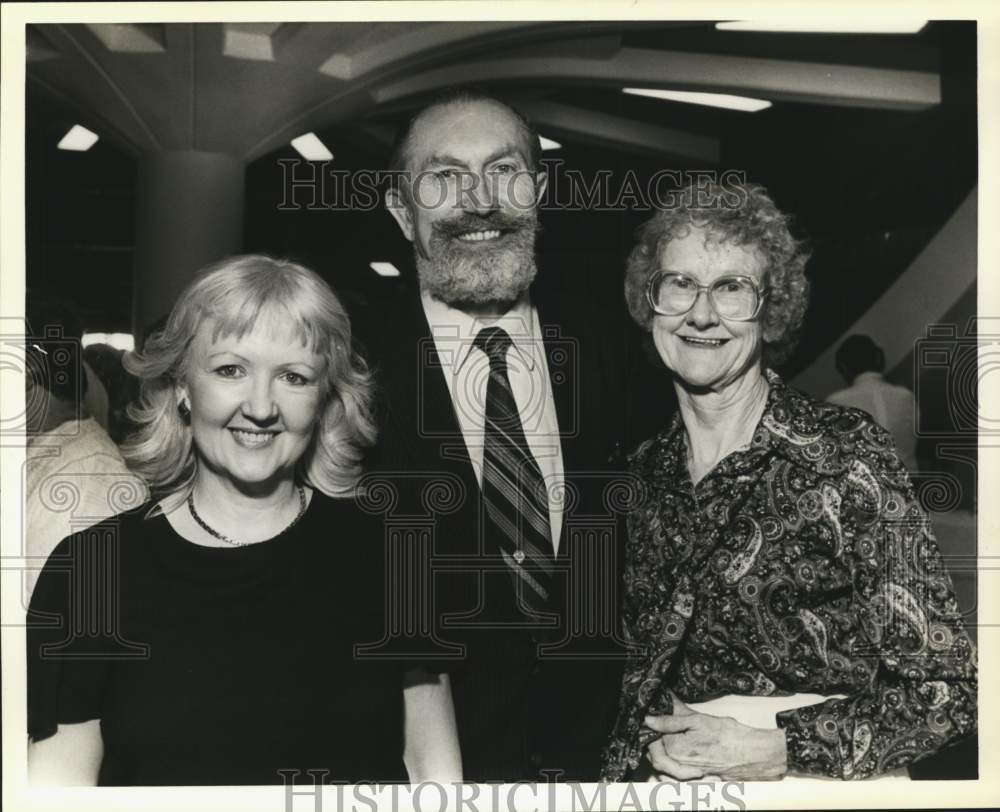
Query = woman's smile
x=700 y=347
x=703 y=343
x=255 y=402
x=253 y=438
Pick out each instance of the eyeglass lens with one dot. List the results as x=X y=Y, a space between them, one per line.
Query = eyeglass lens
x=731 y=296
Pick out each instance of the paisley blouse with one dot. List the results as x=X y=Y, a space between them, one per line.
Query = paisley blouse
x=802 y=564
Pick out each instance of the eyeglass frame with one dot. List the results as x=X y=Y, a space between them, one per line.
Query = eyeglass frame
x=761 y=291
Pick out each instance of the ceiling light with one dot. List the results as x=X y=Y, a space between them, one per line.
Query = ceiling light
x=311 y=148
x=120 y=341
x=744 y=103
x=78 y=139
x=548 y=143
x=833 y=27
x=384 y=268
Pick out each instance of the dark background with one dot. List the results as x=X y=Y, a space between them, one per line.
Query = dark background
x=868 y=188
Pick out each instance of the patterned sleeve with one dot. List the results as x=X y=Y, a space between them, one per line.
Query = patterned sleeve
x=645 y=610
x=922 y=680
x=646 y=589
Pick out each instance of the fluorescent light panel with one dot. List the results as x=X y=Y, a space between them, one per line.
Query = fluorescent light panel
x=384 y=268
x=548 y=143
x=120 y=341
x=831 y=27
x=725 y=100
x=311 y=148
x=78 y=139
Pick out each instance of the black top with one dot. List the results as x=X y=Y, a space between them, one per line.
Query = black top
x=220 y=665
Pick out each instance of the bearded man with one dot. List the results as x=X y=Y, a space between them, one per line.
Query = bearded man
x=504 y=421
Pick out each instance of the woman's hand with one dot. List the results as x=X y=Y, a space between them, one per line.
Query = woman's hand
x=696 y=745
x=69 y=758
x=431 y=751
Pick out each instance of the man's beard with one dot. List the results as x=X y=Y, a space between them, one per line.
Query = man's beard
x=472 y=274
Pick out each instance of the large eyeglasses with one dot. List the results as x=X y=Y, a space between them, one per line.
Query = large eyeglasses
x=736 y=298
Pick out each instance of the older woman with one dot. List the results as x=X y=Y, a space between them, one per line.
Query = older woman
x=209 y=636
x=780 y=571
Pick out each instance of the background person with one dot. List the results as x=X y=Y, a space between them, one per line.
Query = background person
x=861 y=362
x=780 y=569
x=122 y=388
x=239 y=592
x=74 y=473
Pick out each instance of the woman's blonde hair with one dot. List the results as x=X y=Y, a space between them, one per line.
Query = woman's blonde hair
x=235 y=294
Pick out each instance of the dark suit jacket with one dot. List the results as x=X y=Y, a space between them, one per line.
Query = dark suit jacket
x=529 y=702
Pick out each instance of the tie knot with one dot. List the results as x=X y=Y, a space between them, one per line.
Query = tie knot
x=495 y=342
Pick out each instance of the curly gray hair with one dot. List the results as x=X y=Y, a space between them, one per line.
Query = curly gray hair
x=741 y=214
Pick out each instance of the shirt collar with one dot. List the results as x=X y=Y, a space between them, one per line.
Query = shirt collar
x=454 y=331
x=870 y=375
x=795 y=425
x=791 y=425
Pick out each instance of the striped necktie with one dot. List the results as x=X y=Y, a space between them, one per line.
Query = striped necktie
x=514 y=492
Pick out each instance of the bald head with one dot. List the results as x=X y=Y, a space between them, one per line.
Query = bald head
x=456 y=104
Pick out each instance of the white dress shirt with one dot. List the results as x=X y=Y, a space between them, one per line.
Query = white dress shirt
x=466 y=371
x=893 y=408
x=74 y=477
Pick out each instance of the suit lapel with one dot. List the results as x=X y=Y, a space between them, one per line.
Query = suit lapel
x=562 y=355
x=423 y=417
x=419 y=403
x=562 y=359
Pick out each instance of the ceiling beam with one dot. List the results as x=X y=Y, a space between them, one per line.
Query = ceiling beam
x=131 y=38
x=86 y=77
x=416 y=39
x=623 y=133
x=384 y=58
x=775 y=79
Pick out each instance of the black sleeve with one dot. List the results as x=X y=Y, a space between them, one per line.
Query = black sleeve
x=71 y=634
x=389 y=588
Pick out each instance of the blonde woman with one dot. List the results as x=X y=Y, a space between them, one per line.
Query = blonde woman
x=209 y=636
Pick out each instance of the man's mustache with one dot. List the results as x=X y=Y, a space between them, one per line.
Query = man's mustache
x=497 y=220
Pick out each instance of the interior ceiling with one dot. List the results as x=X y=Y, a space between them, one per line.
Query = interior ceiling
x=871 y=143
x=248 y=89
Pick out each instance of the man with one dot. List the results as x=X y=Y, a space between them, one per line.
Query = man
x=504 y=424
x=75 y=475
x=860 y=362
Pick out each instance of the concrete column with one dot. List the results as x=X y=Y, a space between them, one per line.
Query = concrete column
x=189 y=212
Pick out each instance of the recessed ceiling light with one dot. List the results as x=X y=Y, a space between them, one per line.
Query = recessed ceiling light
x=841 y=26
x=78 y=139
x=311 y=148
x=384 y=268
x=120 y=341
x=743 y=103
x=548 y=143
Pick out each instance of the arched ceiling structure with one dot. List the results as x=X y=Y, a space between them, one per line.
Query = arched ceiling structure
x=246 y=89
x=870 y=141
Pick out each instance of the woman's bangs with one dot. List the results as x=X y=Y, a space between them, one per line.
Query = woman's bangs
x=239 y=313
